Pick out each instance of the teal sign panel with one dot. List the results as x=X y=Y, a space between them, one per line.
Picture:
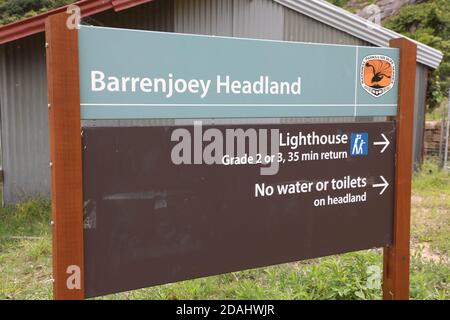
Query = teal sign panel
x=130 y=74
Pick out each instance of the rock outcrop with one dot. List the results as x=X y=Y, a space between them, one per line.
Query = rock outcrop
x=385 y=8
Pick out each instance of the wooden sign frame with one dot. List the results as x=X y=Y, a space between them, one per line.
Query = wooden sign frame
x=66 y=165
x=65 y=158
x=396 y=257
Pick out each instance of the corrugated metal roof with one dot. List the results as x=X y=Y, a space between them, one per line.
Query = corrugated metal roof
x=317 y=9
x=27 y=27
x=359 y=27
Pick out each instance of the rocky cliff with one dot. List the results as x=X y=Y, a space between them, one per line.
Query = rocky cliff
x=385 y=8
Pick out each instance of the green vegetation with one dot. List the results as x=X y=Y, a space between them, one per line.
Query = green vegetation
x=13 y=10
x=340 y=3
x=430 y=213
x=429 y=23
x=439 y=113
x=25 y=259
x=25 y=251
x=352 y=5
x=432 y=181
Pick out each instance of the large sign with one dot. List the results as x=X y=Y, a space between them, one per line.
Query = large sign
x=140 y=206
x=127 y=74
x=150 y=221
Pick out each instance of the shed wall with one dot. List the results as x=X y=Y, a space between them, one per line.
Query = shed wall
x=419 y=113
x=24 y=122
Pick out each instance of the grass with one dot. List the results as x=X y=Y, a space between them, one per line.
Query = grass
x=25 y=251
x=438 y=114
x=25 y=259
x=431 y=210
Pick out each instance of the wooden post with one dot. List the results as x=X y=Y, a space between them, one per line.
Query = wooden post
x=65 y=157
x=396 y=256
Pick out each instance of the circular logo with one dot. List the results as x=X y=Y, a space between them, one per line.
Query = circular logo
x=377 y=74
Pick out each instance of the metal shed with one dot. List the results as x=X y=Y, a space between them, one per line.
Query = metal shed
x=23 y=83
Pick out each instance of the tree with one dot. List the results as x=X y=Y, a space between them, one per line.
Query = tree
x=13 y=10
x=428 y=23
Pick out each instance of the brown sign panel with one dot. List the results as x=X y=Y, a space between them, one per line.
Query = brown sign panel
x=149 y=221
